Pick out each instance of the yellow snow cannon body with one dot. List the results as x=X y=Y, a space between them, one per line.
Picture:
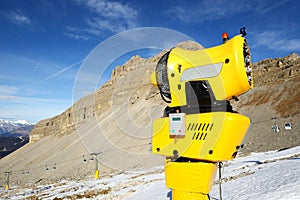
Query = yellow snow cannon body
x=199 y=128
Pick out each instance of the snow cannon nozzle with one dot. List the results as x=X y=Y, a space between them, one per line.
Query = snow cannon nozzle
x=243 y=31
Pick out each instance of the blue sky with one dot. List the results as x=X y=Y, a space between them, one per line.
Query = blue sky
x=43 y=42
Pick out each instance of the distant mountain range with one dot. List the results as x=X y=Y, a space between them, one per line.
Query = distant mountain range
x=13 y=135
x=15 y=128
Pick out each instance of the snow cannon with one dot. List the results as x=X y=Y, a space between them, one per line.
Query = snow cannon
x=199 y=127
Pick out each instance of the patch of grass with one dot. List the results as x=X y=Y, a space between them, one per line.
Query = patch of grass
x=88 y=194
x=34 y=197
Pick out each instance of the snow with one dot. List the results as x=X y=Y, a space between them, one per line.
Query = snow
x=269 y=175
x=14 y=122
x=23 y=122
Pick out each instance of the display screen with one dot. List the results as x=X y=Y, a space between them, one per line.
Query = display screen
x=176 y=119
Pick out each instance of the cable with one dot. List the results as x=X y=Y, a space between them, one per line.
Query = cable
x=220 y=179
x=30 y=170
x=208 y=196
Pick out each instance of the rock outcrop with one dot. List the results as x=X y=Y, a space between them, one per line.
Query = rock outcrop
x=96 y=103
x=276 y=70
x=101 y=100
x=275 y=100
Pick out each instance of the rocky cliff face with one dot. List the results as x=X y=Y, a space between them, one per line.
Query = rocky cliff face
x=275 y=100
x=277 y=83
x=276 y=70
x=101 y=100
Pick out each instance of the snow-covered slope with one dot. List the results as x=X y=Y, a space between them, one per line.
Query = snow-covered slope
x=269 y=175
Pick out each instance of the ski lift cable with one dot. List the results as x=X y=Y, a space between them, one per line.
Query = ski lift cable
x=110 y=150
x=32 y=169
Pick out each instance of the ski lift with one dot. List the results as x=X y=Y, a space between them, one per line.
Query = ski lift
x=91 y=158
x=275 y=128
x=288 y=126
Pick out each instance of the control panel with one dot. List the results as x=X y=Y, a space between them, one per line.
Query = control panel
x=177 y=124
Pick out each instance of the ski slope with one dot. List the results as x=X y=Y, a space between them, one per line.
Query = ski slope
x=269 y=175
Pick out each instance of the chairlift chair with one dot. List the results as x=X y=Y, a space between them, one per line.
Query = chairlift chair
x=84 y=159
x=275 y=128
x=288 y=126
x=91 y=158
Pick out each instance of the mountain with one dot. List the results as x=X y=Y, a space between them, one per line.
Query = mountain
x=275 y=100
x=113 y=124
x=13 y=135
x=15 y=128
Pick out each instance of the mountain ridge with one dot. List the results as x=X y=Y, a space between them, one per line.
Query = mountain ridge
x=15 y=127
x=13 y=135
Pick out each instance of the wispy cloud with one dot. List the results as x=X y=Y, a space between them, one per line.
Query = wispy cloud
x=23 y=95
x=266 y=6
x=209 y=10
x=106 y=16
x=111 y=9
x=100 y=24
x=15 y=93
x=8 y=90
x=77 y=36
x=10 y=97
x=62 y=70
x=19 y=18
x=36 y=67
x=276 y=40
x=30 y=100
x=81 y=33
x=53 y=75
x=31 y=109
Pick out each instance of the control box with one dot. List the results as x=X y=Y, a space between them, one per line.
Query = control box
x=177 y=124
